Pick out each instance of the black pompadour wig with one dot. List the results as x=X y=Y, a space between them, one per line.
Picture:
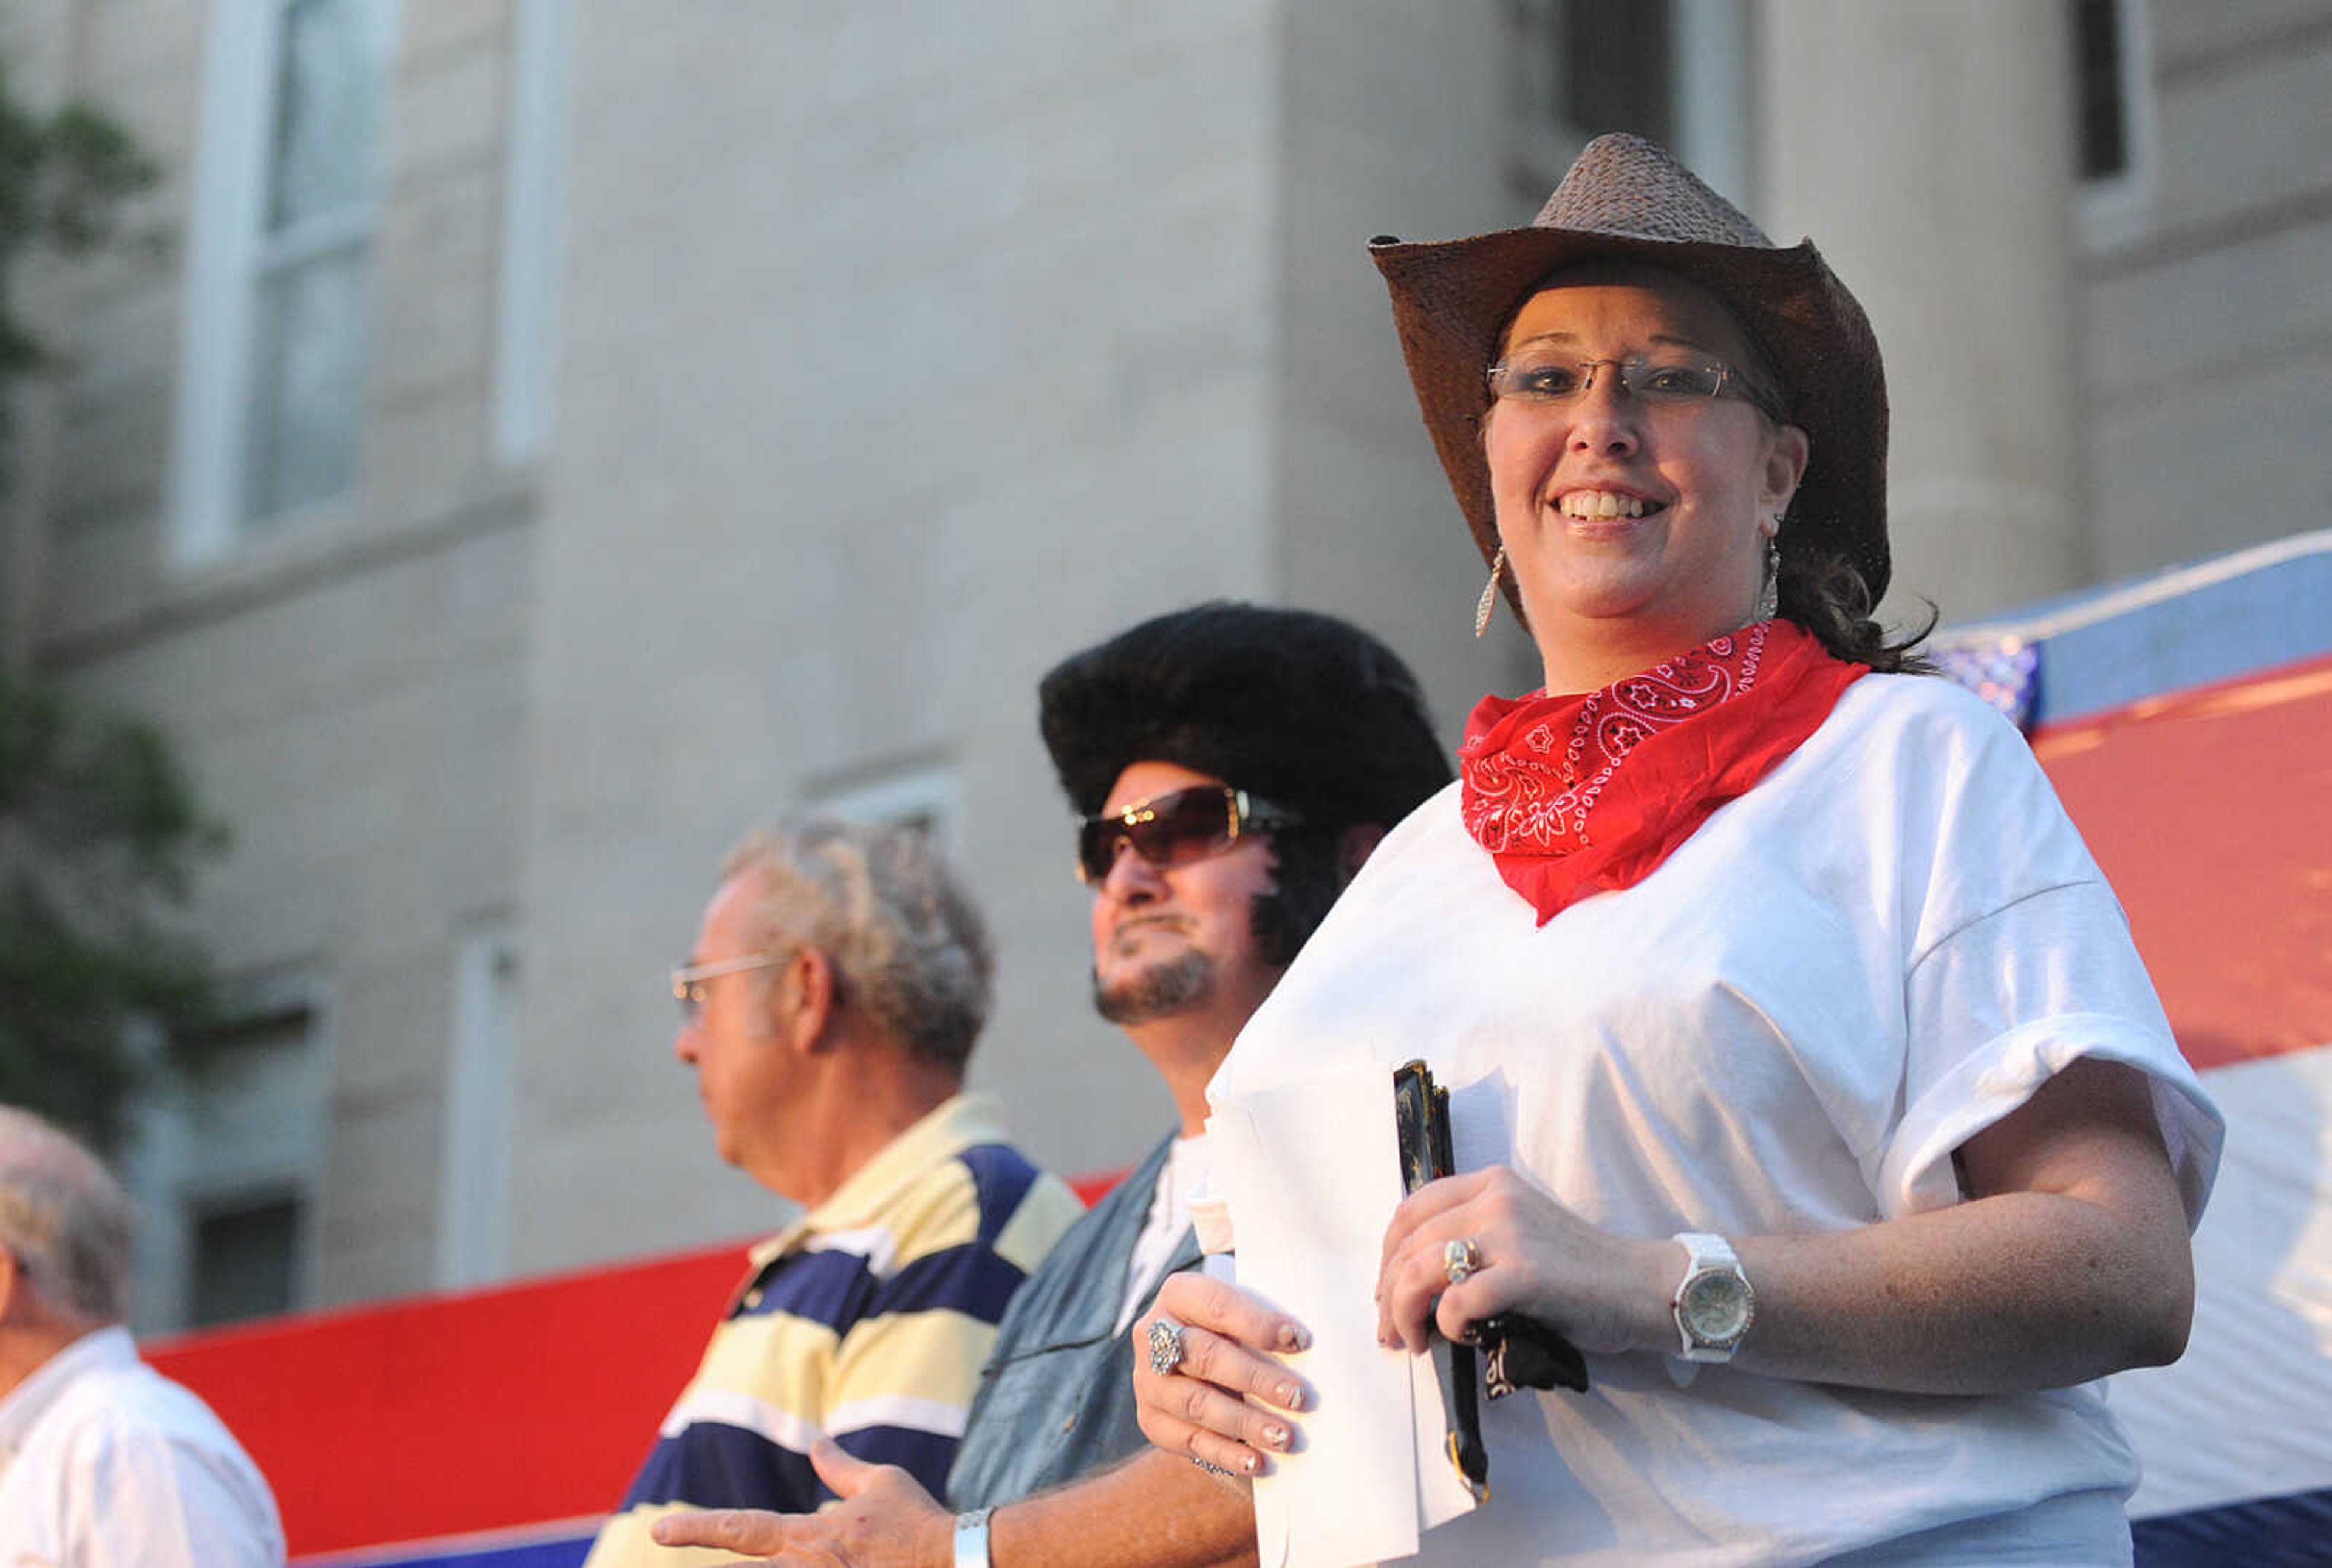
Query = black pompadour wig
x=1303 y=710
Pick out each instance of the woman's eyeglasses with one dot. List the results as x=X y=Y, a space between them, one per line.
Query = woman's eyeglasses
x=688 y=979
x=1174 y=828
x=1655 y=383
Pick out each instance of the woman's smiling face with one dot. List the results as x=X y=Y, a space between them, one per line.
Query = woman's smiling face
x=1635 y=528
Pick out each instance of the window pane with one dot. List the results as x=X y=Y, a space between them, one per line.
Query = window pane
x=245 y=1260
x=333 y=66
x=308 y=369
x=2104 y=131
x=1616 y=67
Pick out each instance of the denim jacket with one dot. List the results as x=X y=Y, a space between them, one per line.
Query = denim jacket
x=1056 y=1398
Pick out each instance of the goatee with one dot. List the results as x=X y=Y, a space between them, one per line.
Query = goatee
x=1157 y=991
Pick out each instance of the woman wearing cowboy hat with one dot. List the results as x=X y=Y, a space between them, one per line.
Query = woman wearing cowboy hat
x=1806 y=1078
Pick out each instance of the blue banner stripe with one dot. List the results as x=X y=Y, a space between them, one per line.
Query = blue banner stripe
x=970 y=1279
x=2294 y=1531
x=564 y=1552
x=1003 y=1176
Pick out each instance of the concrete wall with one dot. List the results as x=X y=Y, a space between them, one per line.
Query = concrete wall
x=1393 y=122
x=2206 y=326
x=907 y=348
x=360 y=738
x=1927 y=149
x=348 y=690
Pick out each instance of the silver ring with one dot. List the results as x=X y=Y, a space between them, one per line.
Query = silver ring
x=1460 y=1258
x=1214 y=1469
x=1165 y=1346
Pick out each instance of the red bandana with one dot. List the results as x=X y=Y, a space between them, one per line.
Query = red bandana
x=1576 y=795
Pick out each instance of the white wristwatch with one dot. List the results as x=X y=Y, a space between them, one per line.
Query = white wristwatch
x=971 y=1539
x=1714 y=1303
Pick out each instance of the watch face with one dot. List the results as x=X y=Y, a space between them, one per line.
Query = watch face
x=1715 y=1307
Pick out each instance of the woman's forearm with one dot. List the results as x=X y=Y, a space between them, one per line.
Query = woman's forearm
x=2068 y=1260
x=2017 y=1291
x=2071 y=1262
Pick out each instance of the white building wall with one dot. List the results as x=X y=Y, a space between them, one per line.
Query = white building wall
x=906 y=349
x=1392 y=120
x=347 y=690
x=1929 y=150
x=2206 y=327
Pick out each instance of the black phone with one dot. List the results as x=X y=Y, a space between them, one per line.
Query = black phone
x=1517 y=1352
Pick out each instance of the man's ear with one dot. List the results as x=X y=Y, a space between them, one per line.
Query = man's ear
x=1354 y=846
x=808 y=980
x=16 y=1290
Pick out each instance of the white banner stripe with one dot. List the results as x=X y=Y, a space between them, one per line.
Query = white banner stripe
x=2219 y=1427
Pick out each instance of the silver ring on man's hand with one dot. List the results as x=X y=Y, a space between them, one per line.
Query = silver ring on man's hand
x=1460 y=1258
x=1165 y=1346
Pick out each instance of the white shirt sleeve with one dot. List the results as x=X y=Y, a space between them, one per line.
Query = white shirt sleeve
x=2020 y=963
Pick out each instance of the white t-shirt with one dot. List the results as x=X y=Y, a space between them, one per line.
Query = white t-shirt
x=105 y=1463
x=1884 y=947
x=1183 y=1173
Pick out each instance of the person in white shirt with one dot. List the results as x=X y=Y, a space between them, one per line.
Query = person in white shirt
x=1800 y=1067
x=104 y=1463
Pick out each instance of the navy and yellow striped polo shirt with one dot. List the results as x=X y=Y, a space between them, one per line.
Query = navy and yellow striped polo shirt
x=868 y=1321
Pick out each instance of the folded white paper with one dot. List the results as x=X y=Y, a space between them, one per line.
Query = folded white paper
x=1311 y=1174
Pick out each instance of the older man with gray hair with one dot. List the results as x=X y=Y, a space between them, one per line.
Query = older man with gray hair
x=839 y=981
x=104 y=1462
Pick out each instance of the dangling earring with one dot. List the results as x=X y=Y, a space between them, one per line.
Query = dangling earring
x=1489 y=591
x=1769 y=597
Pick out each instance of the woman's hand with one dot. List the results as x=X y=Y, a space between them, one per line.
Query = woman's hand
x=1199 y=1409
x=1602 y=1292
x=2067 y=1261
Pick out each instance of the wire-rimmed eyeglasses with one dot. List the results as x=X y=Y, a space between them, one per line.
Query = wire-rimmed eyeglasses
x=688 y=979
x=1550 y=378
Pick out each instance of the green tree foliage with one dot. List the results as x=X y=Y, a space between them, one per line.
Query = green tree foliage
x=98 y=829
x=98 y=836
x=62 y=179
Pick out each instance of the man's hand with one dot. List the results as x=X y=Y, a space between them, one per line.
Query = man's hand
x=882 y=1519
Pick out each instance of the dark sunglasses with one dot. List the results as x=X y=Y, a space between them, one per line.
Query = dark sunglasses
x=1174 y=828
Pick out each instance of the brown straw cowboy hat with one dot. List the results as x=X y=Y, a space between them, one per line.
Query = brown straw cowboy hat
x=1626 y=198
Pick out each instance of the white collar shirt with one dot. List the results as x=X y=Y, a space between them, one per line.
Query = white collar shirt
x=105 y=1463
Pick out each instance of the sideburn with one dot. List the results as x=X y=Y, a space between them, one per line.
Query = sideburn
x=1306 y=880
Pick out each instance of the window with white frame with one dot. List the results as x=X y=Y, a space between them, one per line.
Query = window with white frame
x=279 y=267
x=922 y=795
x=311 y=267
x=1675 y=70
x=2114 y=116
x=474 y=1190
x=227 y=1165
x=526 y=309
